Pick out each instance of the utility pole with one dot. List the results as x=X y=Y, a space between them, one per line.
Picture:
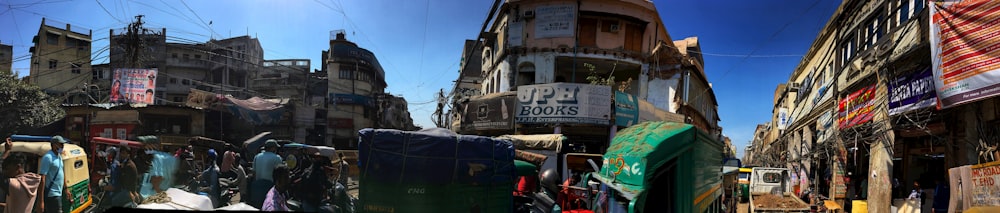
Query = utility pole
x=880 y=173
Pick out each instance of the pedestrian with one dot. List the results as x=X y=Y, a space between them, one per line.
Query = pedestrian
x=161 y=167
x=210 y=178
x=19 y=188
x=917 y=193
x=264 y=164
x=344 y=174
x=275 y=199
x=942 y=195
x=51 y=170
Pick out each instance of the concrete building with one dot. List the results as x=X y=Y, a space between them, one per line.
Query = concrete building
x=288 y=78
x=355 y=81
x=863 y=100
x=395 y=113
x=533 y=44
x=6 y=59
x=60 y=60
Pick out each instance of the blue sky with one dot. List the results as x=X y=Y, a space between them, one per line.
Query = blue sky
x=419 y=43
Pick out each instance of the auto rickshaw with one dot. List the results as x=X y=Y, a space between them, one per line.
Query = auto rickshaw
x=744 y=181
x=75 y=163
x=98 y=187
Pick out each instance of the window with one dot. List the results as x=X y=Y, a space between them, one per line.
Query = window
x=173 y=80
x=633 y=37
x=75 y=68
x=197 y=57
x=51 y=38
x=173 y=55
x=97 y=74
x=588 y=32
x=186 y=56
x=178 y=99
x=186 y=82
x=847 y=51
x=526 y=74
x=346 y=74
x=772 y=177
x=82 y=43
x=302 y=63
x=53 y=64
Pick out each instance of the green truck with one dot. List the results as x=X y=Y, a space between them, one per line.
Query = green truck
x=661 y=167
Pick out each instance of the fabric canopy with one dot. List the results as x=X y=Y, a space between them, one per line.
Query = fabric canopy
x=541 y=141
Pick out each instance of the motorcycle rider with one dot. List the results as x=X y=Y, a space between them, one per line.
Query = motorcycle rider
x=275 y=200
x=210 y=178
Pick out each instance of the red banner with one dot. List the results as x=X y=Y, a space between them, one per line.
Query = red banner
x=856 y=108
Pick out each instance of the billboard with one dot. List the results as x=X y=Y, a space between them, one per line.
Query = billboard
x=492 y=113
x=626 y=109
x=564 y=103
x=910 y=92
x=783 y=118
x=965 y=44
x=137 y=86
x=856 y=108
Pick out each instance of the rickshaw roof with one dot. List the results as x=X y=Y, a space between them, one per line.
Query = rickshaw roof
x=643 y=148
x=537 y=141
x=525 y=168
x=31 y=138
x=39 y=148
x=119 y=142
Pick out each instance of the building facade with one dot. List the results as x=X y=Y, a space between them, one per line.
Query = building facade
x=60 y=60
x=864 y=101
x=355 y=80
x=6 y=59
x=538 y=46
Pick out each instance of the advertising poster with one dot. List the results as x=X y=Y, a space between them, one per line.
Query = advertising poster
x=856 y=108
x=782 y=118
x=564 y=103
x=494 y=113
x=965 y=45
x=134 y=86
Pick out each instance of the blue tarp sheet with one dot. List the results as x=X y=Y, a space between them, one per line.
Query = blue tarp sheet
x=436 y=156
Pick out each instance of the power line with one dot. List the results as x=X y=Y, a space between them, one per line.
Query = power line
x=199 y=17
x=108 y=12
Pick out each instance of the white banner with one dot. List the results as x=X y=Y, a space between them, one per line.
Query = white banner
x=555 y=21
x=564 y=103
x=965 y=42
x=782 y=118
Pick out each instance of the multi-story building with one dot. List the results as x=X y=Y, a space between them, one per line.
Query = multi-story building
x=395 y=113
x=355 y=79
x=288 y=78
x=862 y=102
x=60 y=60
x=6 y=59
x=566 y=45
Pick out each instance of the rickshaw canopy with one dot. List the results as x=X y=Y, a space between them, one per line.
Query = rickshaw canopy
x=295 y=145
x=325 y=151
x=31 y=138
x=537 y=142
x=636 y=153
x=525 y=168
x=254 y=143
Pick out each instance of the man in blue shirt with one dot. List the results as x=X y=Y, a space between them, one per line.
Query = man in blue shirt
x=210 y=178
x=263 y=166
x=51 y=169
x=160 y=175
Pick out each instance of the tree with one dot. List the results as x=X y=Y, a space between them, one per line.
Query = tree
x=23 y=105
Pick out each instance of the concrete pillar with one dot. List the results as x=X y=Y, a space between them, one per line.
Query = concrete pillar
x=880 y=161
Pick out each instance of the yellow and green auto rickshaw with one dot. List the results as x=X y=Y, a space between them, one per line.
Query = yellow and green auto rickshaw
x=745 y=184
x=77 y=173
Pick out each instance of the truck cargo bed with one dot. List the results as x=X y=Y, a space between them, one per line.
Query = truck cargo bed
x=766 y=202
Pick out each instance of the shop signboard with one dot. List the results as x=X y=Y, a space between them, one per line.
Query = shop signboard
x=856 y=108
x=839 y=184
x=136 y=86
x=985 y=182
x=564 y=103
x=910 y=92
x=493 y=113
x=626 y=109
x=554 y=21
x=351 y=99
x=964 y=44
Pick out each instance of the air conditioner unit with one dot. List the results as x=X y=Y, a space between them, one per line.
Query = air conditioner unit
x=794 y=87
x=614 y=27
x=528 y=14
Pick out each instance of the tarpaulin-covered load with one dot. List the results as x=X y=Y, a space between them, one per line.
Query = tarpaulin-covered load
x=538 y=142
x=434 y=170
x=663 y=160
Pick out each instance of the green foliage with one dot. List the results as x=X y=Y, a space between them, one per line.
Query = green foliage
x=23 y=105
x=595 y=79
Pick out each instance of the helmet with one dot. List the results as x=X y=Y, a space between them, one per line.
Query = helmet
x=549 y=179
x=211 y=154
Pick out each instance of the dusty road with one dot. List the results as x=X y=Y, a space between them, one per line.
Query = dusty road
x=743 y=208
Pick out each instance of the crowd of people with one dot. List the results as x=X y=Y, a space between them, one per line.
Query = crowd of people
x=133 y=176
